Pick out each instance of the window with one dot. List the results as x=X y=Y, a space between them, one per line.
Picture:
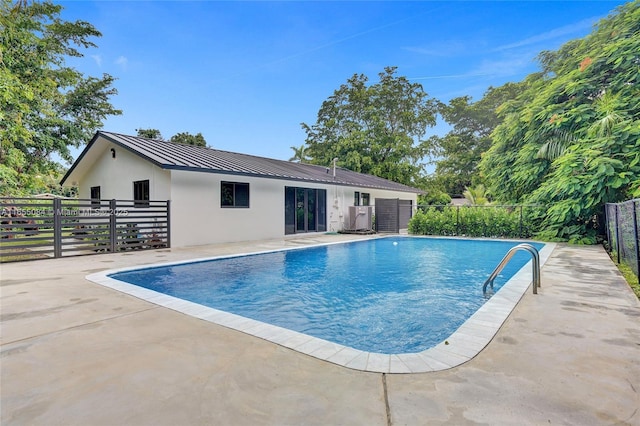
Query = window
x=234 y=194
x=95 y=197
x=356 y=198
x=365 y=199
x=141 y=193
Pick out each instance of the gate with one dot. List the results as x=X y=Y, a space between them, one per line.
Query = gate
x=33 y=228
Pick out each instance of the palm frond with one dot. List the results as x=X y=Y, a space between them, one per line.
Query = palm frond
x=556 y=144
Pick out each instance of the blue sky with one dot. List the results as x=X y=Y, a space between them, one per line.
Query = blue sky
x=246 y=74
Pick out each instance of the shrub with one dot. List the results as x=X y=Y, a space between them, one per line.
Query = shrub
x=474 y=221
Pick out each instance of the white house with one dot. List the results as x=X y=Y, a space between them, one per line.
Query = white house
x=220 y=196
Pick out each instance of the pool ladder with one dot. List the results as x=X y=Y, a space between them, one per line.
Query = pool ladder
x=535 y=264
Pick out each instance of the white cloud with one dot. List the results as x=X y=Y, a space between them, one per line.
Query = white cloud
x=585 y=24
x=443 y=48
x=494 y=67
x=505 y=67
x=122 y=61
x=98 y=59
x=450 y=76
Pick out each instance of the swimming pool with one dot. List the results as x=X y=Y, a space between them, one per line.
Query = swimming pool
x=400 y=295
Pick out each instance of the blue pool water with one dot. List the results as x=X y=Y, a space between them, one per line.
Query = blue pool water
x=388 y=295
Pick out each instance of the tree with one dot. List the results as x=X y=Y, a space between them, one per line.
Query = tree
x=571 y=140
x=46 y=107
x=477 y=195
x=299 y=154
x=150 y=134
x=182 y=137
x=460 y=150
x=437 y=198
x=374 y=129
x=189 y=139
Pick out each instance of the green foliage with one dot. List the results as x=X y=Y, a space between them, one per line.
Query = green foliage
x=182 y=137
x=477 y=195
x=150 y=134
x=374 y=129
x=460 y=150
x=555 y=144
x=299 y=154
x=434 y=197
x=189 y=139
x=630 y=277
x=434 y=221
x=45 y=106
x=470 y=221
x=571 y=139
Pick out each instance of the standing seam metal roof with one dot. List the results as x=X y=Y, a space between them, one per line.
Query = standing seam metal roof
x=169 y=155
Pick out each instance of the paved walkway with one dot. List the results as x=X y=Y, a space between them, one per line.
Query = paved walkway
x=74 y=352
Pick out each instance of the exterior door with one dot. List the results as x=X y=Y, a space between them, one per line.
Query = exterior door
x=301 y=210
x=305 y=210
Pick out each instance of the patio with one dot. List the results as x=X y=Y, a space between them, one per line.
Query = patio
x=74 y=352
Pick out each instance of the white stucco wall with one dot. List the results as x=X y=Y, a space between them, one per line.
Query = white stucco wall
x=197 y=217
x=346 y=197
x=115 y=176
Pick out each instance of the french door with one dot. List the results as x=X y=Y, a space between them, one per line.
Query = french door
x=305 y=210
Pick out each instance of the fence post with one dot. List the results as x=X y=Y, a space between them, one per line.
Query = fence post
x=113 y=235
x=397 y=215
x=520 y=221
x=617 y=235
x=457 y=220
x=168 y=223
x=636 y=242
x=607 y=220
x=57 y=227
x=484 y=222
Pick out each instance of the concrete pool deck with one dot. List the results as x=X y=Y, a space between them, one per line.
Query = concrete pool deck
x=74 y=352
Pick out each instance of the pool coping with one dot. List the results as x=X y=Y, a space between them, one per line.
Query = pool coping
x=461 y=346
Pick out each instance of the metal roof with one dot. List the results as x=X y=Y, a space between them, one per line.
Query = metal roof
x=169 y=155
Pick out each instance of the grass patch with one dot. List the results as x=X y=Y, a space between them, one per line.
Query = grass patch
x=631 y=278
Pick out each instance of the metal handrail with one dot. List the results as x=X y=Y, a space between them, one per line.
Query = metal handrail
x=535 y=266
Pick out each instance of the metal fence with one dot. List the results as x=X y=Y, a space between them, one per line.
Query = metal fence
x=623 y=229
x=34 y=228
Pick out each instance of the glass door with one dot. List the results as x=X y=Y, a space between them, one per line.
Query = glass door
x=311 y=210
x=304 y=210
x=301 y=209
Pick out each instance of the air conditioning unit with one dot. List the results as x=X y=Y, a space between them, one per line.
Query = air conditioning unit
x=360 y=218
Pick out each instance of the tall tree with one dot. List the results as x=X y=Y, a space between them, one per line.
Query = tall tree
x=299 y=154
x=150 y=134
x=571 y=140
x=460 y=150
x=46 y=107
x=374 y=129
x=189 y=139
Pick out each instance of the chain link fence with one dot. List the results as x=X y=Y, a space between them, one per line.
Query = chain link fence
x=492 y=221
x=623 y=233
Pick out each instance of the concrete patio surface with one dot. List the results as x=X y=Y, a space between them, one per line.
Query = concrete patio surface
x=74 y=352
